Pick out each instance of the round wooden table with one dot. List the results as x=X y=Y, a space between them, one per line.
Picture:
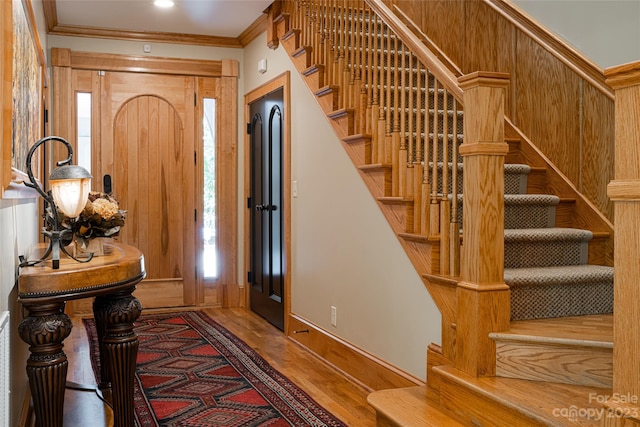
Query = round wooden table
x=43 y=292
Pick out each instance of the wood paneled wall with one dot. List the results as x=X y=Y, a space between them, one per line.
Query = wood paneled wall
x=556 y=97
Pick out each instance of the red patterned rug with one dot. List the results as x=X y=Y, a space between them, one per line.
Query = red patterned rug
x=191 y=371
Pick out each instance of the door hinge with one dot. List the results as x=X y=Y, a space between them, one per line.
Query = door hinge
x=196 y=272
x=249 y=277
x=101 y=73
x=248 y=202
x=195 y=99
x=195 y=215
x=248 y=128
x=195 y=157
x=46 y=116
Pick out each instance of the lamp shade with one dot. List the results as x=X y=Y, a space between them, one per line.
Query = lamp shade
x=70 y=186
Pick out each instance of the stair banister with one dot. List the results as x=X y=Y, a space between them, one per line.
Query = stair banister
x=417 y=47
x=624 y=191
x=329 y=27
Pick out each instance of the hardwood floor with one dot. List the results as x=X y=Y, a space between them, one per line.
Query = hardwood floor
x=326 y=385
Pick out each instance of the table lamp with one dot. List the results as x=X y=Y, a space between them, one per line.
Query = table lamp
x=70 y=186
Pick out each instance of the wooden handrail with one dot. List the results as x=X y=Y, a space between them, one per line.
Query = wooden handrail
x=437 y=67
x=569 y=56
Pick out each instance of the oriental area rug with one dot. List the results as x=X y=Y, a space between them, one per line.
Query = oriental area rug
x=191 y=371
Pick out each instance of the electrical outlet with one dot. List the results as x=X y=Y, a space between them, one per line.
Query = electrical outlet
x=334 y=315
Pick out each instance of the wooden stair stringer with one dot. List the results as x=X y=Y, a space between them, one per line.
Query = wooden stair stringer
x=443 y=291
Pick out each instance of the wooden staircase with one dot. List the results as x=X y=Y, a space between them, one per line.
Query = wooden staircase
x=546 y=371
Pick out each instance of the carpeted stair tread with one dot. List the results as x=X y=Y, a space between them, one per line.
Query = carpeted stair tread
x=542 y=293
x=531 y=199
x=547 y=235
x=524 y=210
x=545 y=247
x=565 y=275
x=517 y=168
x=529 y=210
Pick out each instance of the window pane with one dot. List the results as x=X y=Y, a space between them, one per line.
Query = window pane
x=210 y=258
x=84 y=130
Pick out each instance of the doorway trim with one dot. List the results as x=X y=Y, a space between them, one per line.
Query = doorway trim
x=280 y=81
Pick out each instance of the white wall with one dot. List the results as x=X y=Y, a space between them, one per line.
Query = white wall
x=344 y=251
x=605 y=31
x=18 y=232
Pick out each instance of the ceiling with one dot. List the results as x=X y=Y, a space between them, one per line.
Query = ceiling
x=207 y=22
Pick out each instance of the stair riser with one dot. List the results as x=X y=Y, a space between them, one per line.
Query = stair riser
x=474 y=409
x=523 y=216
x=314 y=77
x=513 y=183
x=378 y=181
x=561 y=300
x=302 y=59
x=400 y=216
x=359 y=150
x=555 y=363
x=529 y=216
x=328 y=99
x=343 y=123
x=544 y=254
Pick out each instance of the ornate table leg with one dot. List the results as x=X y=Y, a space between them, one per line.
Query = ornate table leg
x=114 y=316
x=44 y=330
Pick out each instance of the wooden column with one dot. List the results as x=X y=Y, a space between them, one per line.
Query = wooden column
x=230 y=292
x=63 y=102
x=483 y=297
x=624 y=191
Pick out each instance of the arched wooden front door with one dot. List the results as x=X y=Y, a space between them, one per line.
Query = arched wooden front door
x=147 y=148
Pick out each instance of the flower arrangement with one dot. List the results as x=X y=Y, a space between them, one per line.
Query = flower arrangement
x=101 y=217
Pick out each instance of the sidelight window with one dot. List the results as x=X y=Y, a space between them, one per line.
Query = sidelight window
x=83 y=113
x=209 y=251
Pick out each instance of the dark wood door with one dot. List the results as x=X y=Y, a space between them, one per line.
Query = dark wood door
x=266 y=276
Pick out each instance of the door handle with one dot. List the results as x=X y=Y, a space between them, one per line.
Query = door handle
x=261 y=208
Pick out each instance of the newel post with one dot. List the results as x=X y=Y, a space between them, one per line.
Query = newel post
x=624 y=192
x=483 y=297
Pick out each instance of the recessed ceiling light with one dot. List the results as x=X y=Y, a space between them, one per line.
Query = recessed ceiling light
x=163 y=3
